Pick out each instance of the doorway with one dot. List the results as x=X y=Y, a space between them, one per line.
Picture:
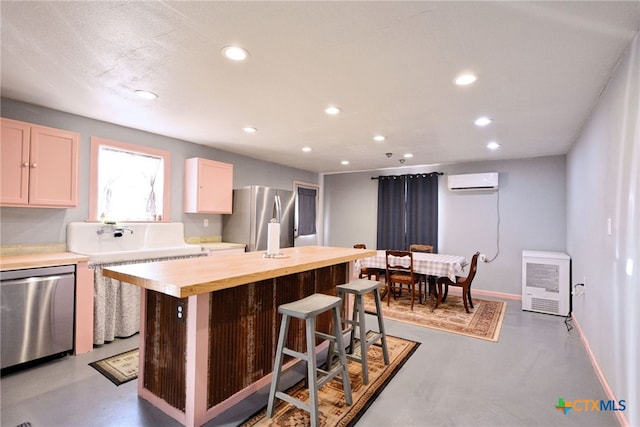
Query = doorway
x=307 y=214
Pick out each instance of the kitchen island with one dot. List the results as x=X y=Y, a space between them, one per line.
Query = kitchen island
x=208 y=327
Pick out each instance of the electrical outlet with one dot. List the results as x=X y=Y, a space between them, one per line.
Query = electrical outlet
x=483 y=258
x=205 y=222
x=180 y=311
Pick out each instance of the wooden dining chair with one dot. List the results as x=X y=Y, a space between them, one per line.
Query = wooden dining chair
x=368 y=272
x=429 y=281
x=400 y=271
x=421 y=248
x=464 y=282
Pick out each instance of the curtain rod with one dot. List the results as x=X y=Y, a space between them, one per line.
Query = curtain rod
x=410 y=175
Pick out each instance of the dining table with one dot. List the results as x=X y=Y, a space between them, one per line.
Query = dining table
x=439 y=265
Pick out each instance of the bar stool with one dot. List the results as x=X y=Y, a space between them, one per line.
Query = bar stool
x=358 y=288
x=308 y=309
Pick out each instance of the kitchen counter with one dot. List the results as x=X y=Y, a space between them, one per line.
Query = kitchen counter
x=208 y=326
x=222 y=246
x=19 y=262
x=187 y=277
x=83 y=341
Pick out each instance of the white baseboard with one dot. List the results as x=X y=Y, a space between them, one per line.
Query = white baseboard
x=456 y=290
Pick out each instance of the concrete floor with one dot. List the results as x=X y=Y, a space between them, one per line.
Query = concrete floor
x=450 y=380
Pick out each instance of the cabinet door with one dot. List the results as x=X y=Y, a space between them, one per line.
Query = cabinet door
x=53 y=177
x=208 y=186
x=14 y=168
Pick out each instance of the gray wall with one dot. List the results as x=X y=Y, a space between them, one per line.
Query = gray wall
x=531 y=203
x=37 y=225
x=603 y=180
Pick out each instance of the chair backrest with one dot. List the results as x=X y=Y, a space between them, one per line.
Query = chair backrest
x=473 y=267
x=421 y=248
x=395 y=264
x=360 y=246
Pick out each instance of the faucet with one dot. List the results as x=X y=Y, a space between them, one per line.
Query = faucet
x=112 y=228
x=119 y=231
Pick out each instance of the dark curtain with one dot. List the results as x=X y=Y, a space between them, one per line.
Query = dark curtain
x=391 y=211
x=422 y=210
x=407 y=211
x=306 y=211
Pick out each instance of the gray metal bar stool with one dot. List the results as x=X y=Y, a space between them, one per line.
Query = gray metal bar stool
x=359 y=288
x=308 y=309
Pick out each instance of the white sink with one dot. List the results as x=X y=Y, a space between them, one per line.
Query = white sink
x=144 y=241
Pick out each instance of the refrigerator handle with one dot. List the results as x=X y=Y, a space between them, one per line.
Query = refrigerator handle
x=277 y=208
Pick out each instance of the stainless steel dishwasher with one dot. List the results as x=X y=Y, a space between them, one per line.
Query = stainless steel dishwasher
x=37 y=313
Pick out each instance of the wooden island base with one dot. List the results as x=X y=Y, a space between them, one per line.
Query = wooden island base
x=222 y=348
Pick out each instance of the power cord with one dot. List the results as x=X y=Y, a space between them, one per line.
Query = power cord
x=497 y=229
x=576 y=292
x=567 y=322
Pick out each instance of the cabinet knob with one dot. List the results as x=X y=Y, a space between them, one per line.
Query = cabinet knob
x=25 y=164
x=34 y=165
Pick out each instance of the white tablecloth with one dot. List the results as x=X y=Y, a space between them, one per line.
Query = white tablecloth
x=439 y=265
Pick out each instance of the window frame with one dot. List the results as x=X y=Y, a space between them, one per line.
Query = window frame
x=96 y=144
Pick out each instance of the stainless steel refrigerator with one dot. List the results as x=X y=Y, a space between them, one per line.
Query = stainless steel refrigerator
x=253 y=209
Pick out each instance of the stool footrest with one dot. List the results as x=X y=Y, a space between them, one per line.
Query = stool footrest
x=295 y=354
x=370 y=342
x=292 y=400
x=326 y=376
x=374 y=338
x=326 y=336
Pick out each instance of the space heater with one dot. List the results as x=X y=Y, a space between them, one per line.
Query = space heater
x=545 y=282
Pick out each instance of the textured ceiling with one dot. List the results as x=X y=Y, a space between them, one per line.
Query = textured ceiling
x=388 y=65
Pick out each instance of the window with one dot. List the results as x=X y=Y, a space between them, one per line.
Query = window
x=128 y=182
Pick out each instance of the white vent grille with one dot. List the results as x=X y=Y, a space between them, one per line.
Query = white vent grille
x=545 y=305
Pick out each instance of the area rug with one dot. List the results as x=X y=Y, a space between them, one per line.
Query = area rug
x=120 y=368
x=484 y=321
x=333 y=411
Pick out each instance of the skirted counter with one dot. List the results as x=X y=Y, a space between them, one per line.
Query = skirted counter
x=208 y=326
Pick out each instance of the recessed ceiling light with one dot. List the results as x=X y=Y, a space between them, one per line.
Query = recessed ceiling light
x=493 y=145
x=408 y=156
x=145 y=94
x=332 y=110
x=465 y=79
x=249 y=129
x=344 y=162
x=482 y=121
x=379 y=138
x=306 y=149
x=235 y=53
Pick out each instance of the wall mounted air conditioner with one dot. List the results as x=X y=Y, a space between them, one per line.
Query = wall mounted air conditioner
x=473 y=181
x=545 y=282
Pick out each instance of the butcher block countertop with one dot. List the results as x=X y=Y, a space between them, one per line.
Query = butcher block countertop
x=19 y=262
x=186 y=277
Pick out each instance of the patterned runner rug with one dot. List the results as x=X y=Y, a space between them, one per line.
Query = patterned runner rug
x=332 y=406
x=120 y=368
x=484 y=321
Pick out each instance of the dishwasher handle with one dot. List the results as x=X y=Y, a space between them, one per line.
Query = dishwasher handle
x=36 y=272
